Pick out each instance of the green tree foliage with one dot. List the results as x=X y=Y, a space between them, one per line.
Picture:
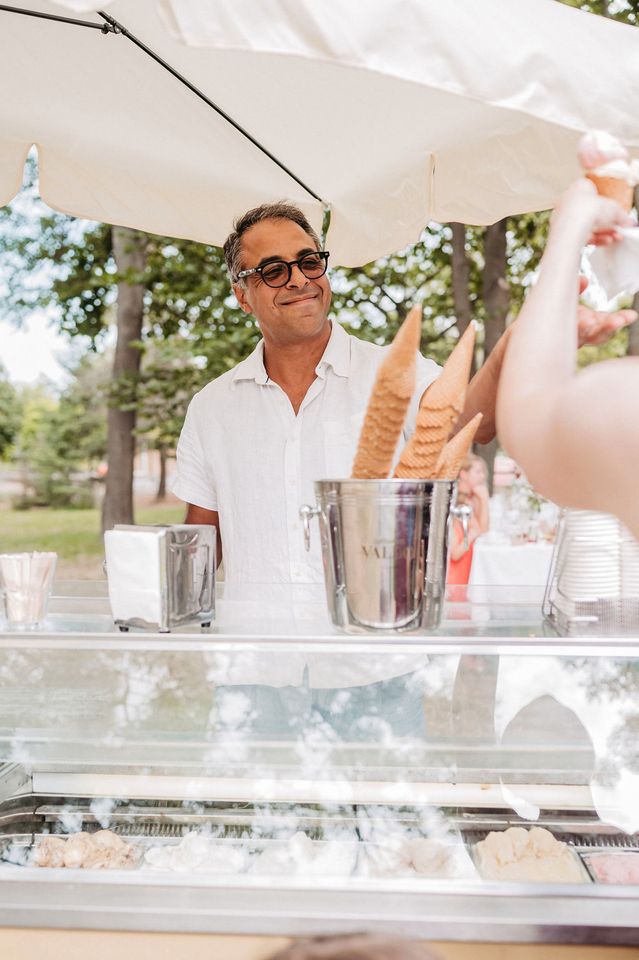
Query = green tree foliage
x=625 y=11
x=10 y=414
x=61 y=440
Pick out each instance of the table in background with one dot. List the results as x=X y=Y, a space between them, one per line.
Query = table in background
x=500 y=564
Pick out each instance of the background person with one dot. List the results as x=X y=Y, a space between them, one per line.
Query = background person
x=472 y=491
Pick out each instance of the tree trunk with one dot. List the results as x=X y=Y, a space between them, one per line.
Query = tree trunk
x=461 y=278
x=129 y=253
x=496 y=295
x=161 y=494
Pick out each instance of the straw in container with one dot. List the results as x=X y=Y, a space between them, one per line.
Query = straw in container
x=26 y=580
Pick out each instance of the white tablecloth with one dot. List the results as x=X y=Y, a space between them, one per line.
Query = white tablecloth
x=506 y=573
x=502 y=564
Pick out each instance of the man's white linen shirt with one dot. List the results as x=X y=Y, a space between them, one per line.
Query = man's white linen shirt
x=244 y=453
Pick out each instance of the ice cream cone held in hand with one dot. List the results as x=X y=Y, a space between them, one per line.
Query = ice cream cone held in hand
x=607 y=163
x=440 y=408
x=389 y=402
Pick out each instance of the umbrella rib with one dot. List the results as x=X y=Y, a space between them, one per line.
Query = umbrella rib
x=112 y=26
x=102 y=27
x=119 y=28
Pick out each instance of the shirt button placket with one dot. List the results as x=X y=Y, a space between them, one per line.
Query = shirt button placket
x=292 y=473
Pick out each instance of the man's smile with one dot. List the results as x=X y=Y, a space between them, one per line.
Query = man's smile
x=301 y=299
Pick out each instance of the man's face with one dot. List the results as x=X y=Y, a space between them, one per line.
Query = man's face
x=296 y=312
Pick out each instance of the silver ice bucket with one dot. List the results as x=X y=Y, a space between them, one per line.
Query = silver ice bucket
x=384 y=545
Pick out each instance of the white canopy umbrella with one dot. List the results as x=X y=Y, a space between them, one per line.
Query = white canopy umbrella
x=394 y=112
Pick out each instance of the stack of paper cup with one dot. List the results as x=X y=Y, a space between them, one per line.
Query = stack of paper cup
x=26 y=580
x=589 y=565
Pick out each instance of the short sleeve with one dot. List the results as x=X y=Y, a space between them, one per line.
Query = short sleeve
x=193 y=483
x=427 y=371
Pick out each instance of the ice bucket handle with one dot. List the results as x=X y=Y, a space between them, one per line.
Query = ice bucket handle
x=307 y=513
x=463 y=513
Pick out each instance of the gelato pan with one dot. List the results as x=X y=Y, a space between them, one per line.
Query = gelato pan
x=197 y=853
x=617 y=867
x=533 y=856
x=427 y=857
x=302 y=856
x=86 y=851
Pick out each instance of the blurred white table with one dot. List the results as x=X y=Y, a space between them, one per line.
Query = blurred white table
x=523 y=568
x=500 y=563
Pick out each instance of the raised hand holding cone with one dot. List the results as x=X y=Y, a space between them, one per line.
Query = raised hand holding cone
x=389 y=402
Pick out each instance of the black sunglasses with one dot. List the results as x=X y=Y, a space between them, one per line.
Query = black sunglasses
x=277 y=273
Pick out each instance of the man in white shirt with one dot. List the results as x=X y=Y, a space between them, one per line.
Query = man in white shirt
x=256 y=438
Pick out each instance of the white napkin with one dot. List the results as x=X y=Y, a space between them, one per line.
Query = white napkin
x=616 y=267
x=133 y=571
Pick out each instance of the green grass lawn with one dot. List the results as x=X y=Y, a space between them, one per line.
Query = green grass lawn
x=72 y=534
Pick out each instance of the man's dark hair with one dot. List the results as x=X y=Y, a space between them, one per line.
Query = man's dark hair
x=280 y=210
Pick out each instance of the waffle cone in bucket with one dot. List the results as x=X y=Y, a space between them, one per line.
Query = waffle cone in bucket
x=440 y=408
x=456 y=450
x=389 y=401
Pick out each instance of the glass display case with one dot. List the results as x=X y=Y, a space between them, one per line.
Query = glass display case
x=271 y=776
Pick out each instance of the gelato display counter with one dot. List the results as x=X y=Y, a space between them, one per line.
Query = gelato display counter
x=272 y=777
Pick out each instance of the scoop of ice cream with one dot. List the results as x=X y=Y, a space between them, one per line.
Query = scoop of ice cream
x=110 y=852
x=50 y=852
x=598 y=147
x=78 y=848
x=108 y=839
x=627 y=170
x=302 y=856
x=431 y=857
x=615 y=867
x=196 y=853
x=101 y=850
x=527 y=855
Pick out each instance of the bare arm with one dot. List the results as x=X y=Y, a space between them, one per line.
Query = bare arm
x=576 y=435
x=201 y=515
x=593 y=327
x=481 y=510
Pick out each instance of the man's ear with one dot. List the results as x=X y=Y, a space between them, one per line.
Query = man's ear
x=240 y=294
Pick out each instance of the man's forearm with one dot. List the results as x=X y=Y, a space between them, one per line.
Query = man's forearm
x=481 y=396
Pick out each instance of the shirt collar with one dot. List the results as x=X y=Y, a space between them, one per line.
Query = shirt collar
x=336 y=355
x=253 y=367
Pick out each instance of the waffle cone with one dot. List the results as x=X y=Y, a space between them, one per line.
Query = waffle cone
x=389 y=401
x=615 y=189
x=456 y=450
x=449 y=389
x=439 y=410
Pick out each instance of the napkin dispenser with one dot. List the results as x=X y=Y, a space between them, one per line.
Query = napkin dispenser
x=161 y=577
